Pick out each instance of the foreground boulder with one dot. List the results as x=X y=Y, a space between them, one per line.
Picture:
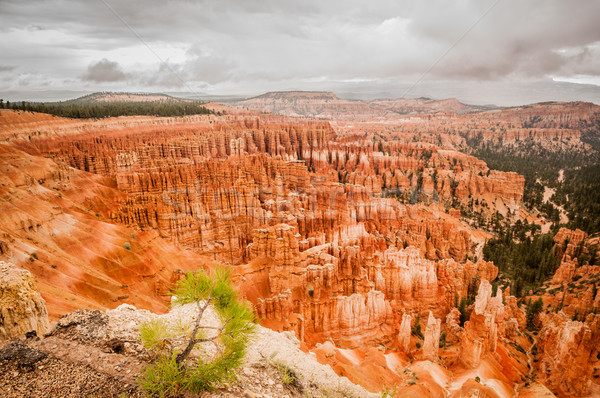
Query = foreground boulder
x=22 y=308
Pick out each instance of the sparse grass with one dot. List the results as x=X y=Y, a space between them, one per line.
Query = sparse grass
x=288 y=376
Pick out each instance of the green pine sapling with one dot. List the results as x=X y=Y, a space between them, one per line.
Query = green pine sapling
x=174 y=369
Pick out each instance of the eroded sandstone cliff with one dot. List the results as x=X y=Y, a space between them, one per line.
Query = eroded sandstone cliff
x=354 y=236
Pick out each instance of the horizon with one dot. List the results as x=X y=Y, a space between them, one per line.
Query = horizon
x=61 y=96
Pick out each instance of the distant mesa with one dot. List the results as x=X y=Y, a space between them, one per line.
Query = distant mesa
x=327 y=105
x=309 y=95
x=126 y=97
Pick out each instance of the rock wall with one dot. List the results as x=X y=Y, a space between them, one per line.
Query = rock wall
x=575 y=279
x=207 y=184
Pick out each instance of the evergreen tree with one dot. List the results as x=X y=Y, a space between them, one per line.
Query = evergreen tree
x=173 y=369
x=462 y=308
x=532 y=310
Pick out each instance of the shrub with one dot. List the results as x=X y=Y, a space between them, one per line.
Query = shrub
x=287 y=377
x=173 y=369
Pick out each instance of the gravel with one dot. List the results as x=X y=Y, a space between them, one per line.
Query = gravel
x=51 y=377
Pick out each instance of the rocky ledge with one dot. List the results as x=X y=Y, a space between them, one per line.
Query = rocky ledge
x=95 y=353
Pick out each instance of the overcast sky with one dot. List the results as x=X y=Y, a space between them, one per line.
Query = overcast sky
x=247 y=47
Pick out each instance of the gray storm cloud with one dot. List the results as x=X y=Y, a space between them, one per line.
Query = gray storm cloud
x=245 y=45
x=104 y=71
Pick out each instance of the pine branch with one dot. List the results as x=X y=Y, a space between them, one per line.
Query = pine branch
x=192 y=341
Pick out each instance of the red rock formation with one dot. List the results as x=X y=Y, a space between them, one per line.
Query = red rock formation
x=405 y=276
x=54 y=224
x=452 y=326
x=359 y=316
x=568 y=353
x=262 y=176
x=404 y=333
x=314 y=216
x=574 y=286
x=480 y=334
x=431 y=341
x=567 y=241
x=347 y=293
x=455 y=279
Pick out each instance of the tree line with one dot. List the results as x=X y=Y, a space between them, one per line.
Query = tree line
x=98 y=110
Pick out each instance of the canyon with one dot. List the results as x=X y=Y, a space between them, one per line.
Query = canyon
x=356 y=226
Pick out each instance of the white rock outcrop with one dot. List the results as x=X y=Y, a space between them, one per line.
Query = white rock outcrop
x=22 y=308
